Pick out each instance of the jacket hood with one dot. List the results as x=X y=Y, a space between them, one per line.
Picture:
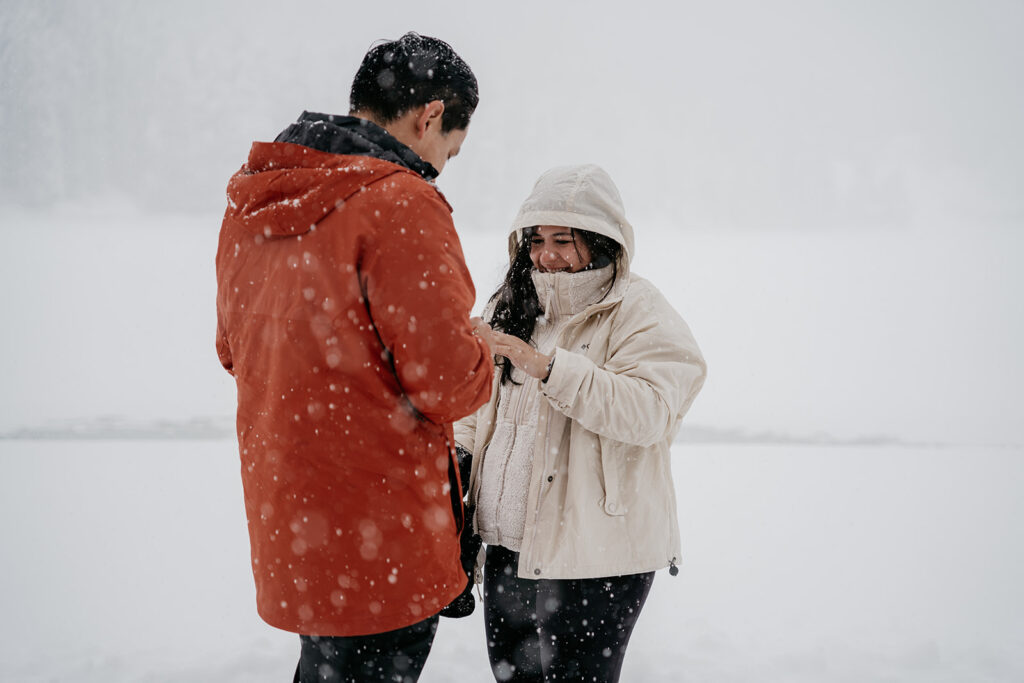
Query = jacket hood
x=576 y=197
x=285 y=189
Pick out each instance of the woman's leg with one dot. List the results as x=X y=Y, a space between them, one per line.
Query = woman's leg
x=510 y=619
x=585 y=624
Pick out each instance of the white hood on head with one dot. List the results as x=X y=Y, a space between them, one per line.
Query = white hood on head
x=576 y=197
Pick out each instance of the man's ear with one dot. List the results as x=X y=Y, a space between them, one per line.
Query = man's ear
x=429 y=116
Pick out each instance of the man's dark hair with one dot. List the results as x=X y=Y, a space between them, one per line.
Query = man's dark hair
x=401 y=74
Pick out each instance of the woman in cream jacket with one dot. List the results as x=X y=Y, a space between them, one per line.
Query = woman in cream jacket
x=571 y=477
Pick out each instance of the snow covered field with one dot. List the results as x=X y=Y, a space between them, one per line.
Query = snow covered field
x=127 y=561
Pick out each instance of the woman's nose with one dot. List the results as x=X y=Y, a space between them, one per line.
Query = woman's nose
x=548 y=256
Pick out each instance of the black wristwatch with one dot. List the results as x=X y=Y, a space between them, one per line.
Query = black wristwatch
x=551 y=364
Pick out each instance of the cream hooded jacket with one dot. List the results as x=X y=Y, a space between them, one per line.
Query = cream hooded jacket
x=626 y=369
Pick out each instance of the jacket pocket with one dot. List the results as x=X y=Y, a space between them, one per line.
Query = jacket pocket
x=612 y=502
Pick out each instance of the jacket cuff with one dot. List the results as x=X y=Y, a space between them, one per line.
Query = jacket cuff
x=566 y=378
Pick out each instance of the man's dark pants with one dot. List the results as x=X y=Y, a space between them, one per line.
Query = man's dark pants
x=393 y=657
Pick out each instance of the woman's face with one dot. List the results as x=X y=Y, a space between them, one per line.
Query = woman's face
x=553 y=249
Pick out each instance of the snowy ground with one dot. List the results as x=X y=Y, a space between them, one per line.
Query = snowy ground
x=127 y=561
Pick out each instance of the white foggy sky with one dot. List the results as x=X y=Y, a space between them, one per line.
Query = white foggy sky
x=753 y=115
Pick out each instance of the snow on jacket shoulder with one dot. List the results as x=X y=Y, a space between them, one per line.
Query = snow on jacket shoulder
x=343 y=306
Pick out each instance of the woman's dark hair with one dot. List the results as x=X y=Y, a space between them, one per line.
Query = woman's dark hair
x=401 y=74
x=516 y=305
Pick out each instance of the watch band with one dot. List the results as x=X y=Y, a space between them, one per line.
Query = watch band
x=551 y=364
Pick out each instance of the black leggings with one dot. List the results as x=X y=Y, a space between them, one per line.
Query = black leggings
x=396 y=656
x=558 y=629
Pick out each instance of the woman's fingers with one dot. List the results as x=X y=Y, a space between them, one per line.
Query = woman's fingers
x=484 y=331
x=522 y=355
x=511 y=342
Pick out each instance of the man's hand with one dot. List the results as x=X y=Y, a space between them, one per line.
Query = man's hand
x=523 y=356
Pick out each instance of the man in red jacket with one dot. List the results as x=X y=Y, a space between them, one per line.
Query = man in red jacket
x=343 y=313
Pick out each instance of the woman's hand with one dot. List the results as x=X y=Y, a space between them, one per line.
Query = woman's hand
x=523 y=356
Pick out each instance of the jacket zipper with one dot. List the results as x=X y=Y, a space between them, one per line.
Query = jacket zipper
x=540 y=491
x=573 y=323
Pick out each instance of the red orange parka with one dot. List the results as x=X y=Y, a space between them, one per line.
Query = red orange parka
x=343 y=304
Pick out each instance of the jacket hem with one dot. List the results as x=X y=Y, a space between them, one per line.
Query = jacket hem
x=597 y=571
x=362 y=627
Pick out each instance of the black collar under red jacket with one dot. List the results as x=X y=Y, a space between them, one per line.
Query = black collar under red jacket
x=343 y=305
x=351 y=135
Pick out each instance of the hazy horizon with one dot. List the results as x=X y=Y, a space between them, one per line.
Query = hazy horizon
x=740 y=115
